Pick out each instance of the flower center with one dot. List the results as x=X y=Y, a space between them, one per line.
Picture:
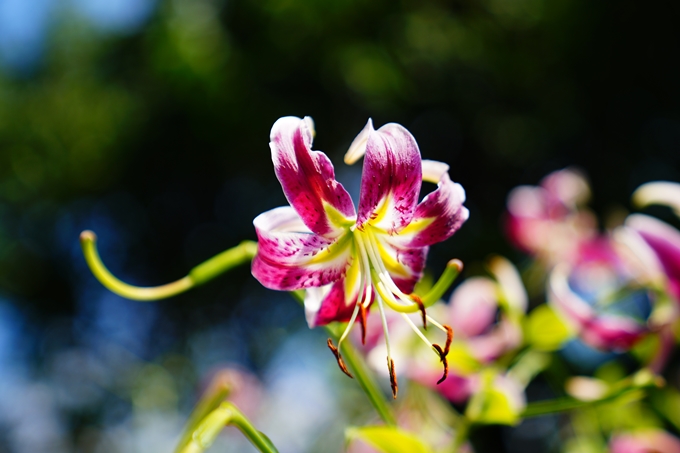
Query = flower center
x=376 y=281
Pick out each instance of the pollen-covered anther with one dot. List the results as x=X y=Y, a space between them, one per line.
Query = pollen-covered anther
x=338 y=357
x=442 y=358
x=362 y=322
x=393 y=378
x=421 y=307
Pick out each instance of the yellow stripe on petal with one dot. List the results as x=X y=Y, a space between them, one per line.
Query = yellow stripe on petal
x=333 y=251
x=336 y=218
x=352 y=277
x=393 y=266
x=416 y=226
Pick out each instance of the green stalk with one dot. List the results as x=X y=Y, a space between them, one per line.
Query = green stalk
x=360 y=371
x=202 y=273
x=218 y=391
x=225 y=414
x=633 y=387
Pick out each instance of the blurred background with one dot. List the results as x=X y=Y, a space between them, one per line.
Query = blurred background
x=148 y=122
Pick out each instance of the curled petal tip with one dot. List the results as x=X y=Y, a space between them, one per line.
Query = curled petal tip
x=658 y=192
x=358 y=147
x=433 y=171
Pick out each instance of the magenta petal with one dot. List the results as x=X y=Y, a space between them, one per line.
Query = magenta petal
x=288 y=259
x=438 y=216
x=665 y=241
x=612 y=333
x=407 y=263
x=473 y=306
x=604 y=332
x=391 y=179
x=308 y=178
x=324 y=306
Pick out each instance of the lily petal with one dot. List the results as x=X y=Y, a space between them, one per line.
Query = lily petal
x=404 y=264
x=438 y=216
x=308 y=178
x=289 y=258
x=665 y=241
x=658 y=192
x=358 y=147
x=473 y=306
x=391 y=179
x=606 y=332
x=334 y=302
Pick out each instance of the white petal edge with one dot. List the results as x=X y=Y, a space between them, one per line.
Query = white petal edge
x=658 y=192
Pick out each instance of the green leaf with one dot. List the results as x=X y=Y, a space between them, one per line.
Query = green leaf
x=388 y=439
x=545 y=330
x=495 y=408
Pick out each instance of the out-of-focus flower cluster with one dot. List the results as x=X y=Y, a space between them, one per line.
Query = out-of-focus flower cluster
x=599 y=305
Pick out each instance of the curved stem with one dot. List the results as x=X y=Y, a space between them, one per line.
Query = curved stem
x=202 y=273
x=212 y=424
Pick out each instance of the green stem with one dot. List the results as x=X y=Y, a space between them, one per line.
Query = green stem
x=217 y=392
x=360 y=371
x=208 y=270
x=462 y=431
x=211 y=425
x=632 y=387
x=367 y=383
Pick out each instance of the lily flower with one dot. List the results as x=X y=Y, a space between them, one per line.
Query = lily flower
x=608 y=294
x=546 y=220
x=663 y=238
x=347 y=258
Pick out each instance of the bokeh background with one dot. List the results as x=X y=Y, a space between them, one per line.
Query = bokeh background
x=148 y=121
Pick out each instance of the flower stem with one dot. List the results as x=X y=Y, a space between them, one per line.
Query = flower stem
x=217 y=392
x=632 y=387
x=360 y=371
x=211 y=425
x=367 y=383
x=202 y=273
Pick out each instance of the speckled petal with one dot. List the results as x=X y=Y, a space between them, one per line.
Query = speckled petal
x=438 y=216
x=391 y=179
x=308 y=179
x=289 y=258
x=334 y=302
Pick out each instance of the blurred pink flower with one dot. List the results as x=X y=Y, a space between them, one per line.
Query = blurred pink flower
x=605 y=294
x=486 y=315
x=546 y=220
x=646 y=441
x=664 y=240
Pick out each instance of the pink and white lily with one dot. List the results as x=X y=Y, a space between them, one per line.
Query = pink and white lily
x=347 y=258
x=608 y=293
x=547 y=220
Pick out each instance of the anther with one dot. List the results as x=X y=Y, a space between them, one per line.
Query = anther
x=341 y=363
x=421 y=307
x=442 y=358
x=362 y=322
x=449 y=339
x=393 y=378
